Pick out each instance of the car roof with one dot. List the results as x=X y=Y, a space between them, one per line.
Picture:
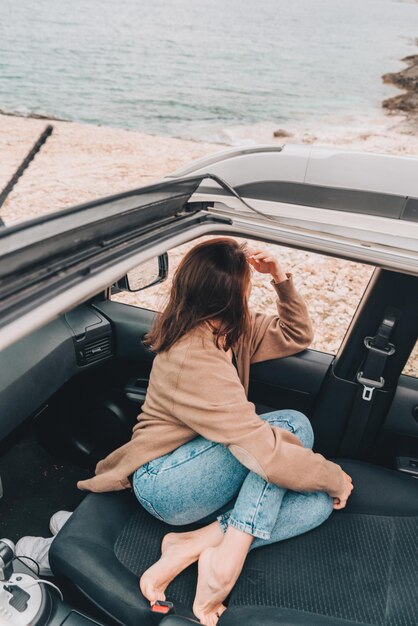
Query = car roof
x=380 y=184
x=368 y=202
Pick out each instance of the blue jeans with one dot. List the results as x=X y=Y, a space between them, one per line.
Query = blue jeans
x=202 y=481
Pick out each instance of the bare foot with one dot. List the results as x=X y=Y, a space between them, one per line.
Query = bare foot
x=178 y=551
x=214 y=583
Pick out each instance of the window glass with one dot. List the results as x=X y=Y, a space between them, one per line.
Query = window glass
x=331 y=287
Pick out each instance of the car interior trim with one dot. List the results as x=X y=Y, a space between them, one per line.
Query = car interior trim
x=363 y=226
x=321 y=197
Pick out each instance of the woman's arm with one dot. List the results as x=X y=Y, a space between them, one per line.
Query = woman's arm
x=220 y=412
x=288 y=332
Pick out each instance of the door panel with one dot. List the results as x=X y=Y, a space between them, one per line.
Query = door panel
x=402 y=417
x=291 y=382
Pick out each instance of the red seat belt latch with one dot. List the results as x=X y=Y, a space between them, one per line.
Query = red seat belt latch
x=162 y=606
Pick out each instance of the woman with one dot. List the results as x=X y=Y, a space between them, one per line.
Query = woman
x=199 y=451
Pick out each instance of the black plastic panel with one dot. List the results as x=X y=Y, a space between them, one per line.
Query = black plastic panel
x=65 y=615
x=93 y=340
x=76 y=619
x=130 y=324
x=403 y=413
x=291 y=382
x=304 y=371
x=32 y=370
x=411 y=210
x=37 y=366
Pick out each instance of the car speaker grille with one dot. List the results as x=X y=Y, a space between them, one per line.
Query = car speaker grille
x=96 y=350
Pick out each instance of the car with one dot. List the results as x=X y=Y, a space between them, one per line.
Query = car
x=74 y=373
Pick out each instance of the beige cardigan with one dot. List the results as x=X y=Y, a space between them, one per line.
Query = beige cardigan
x=194 y=389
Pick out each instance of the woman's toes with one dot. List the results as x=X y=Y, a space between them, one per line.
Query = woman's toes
x=211 y=619
x=149 y=589
x=174 y=559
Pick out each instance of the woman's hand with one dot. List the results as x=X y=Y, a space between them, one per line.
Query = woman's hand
x=265 y=263
x=346 y=488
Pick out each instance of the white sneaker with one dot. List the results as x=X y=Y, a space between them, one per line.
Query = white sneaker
x=58 y=520
x=37 y=549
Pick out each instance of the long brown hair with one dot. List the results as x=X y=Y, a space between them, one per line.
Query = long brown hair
x=211 y=282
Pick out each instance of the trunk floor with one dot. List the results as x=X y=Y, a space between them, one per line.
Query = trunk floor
x=35 y=486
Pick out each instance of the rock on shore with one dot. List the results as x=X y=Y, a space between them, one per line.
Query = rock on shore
x=406 y=79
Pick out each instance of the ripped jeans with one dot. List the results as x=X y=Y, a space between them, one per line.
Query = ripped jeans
x=202 y=481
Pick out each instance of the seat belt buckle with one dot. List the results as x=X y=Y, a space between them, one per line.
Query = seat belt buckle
x=161 y=608
x=369 y=386
x=387 y=351
x=367 y=393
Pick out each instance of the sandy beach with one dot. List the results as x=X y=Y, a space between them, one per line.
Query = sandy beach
x=81 y=162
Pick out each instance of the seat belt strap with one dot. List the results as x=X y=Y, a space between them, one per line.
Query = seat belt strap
x=379 y=349
x=370 y=376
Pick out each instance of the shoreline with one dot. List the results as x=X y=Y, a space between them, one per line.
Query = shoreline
x=399 y=113
x=33 y=116
x=400 y=110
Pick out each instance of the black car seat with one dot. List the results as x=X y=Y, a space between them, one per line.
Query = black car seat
x=360 y=566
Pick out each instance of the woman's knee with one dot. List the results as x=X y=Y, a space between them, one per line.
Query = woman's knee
x=293 y=421
x=321 y=507
x=304 y=511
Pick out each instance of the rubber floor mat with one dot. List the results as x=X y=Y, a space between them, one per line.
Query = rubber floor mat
x=138 y=547
x=358 y=567
x=35 y=486
x=362 y=568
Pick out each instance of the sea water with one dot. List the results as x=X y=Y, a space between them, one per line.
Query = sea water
x=193 y=68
